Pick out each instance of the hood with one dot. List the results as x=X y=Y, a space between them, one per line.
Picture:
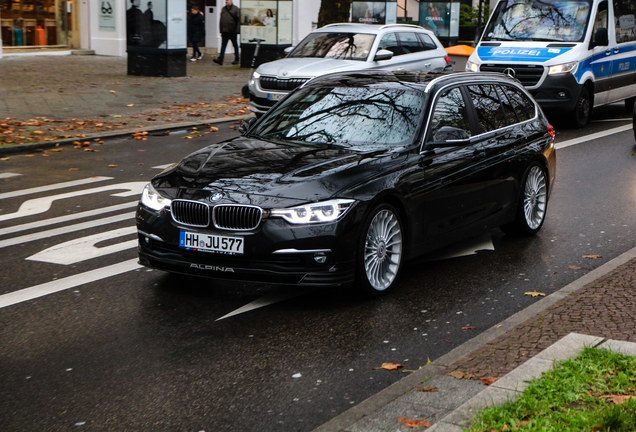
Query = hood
x=308 y=67
x=251 y=167
x=533 y=52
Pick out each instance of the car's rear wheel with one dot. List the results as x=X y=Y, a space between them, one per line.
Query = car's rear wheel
x=533 y=202
x=381 y=251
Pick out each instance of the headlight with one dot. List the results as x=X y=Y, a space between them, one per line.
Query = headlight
x=565 y=68
x=254 y=77
x=327 y=211
x=472 y=67
x=151 y=198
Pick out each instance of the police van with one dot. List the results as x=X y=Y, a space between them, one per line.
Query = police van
x=571 y=55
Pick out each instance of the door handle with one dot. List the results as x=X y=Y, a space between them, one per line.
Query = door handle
x=400 y=69
x=616 y=50
x=427 y=65
x=608 y=52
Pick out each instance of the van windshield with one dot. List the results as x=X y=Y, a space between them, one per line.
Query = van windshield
x=539 y=20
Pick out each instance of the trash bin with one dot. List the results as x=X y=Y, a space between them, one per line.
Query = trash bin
x=459 y=55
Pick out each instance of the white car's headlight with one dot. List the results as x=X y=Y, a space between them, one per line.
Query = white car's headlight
x=472 y=67
x=254 y=77
x=326 y=211
x=565 y=68
x=151 y=198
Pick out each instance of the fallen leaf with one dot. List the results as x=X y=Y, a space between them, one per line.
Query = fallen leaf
x=130 y=105
x=618 y=399
x=410 y=423
x=467 y=328
x=90 y=150
x=73 y=169
x=113 y=91
x=214 y=129
x=573 y=267
x=488 y=380
x=112 y=166
x=389 y=366
x=534 y=294
x=429 y=389
x=461 y=375
x=592 y=256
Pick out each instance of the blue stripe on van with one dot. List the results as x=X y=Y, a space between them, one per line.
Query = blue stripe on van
x=502 y=53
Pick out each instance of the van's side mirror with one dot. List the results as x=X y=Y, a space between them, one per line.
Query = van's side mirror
x=246 y=125
x=600 y=37
x=478 y=32
x=383 y=55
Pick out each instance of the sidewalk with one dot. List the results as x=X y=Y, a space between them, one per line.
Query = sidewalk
x=52 y=98
x=601 y=305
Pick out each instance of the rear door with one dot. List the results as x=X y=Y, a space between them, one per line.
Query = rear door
x=623 y=74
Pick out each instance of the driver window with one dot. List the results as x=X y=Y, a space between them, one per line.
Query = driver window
x=601 y=18
x=450 y=112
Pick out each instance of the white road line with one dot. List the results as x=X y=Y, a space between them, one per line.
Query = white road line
x=53 y=187
x=595 y=136
x=52 y=221
x=5 y=175
x=163 y=167
x=266 y=301
x=41 y=205
x=66 y=283
x=66 y=229
x=84 y=248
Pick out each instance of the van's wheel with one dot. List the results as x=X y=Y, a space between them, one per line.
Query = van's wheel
x=583 y=109
x=533 y=203
x=380 y=251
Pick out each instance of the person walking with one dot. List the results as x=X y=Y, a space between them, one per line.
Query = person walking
x=196 y=31
x=230 y=27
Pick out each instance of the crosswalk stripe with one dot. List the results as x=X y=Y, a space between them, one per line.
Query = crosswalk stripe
x=53 y=187
x=6 y=175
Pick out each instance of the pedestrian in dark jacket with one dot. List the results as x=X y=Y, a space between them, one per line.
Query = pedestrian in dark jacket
x=230 y=26
x=196 y=32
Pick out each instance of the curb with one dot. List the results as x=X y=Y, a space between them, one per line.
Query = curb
x=20 y=148
x=372 y=404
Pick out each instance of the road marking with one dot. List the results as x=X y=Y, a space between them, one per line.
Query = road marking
x=60 y=219
x=8 y=175
x=41 y=205
x=163 y=167
x=66 y=283
x=53 y=187
x=65 y=230
x=266 y=301
x=82 y=249
x=595 y=136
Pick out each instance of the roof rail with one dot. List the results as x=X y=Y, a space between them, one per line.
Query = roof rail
x=401 y=25
x=338 y=24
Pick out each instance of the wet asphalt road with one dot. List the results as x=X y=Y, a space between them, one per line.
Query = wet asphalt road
x=144 y=350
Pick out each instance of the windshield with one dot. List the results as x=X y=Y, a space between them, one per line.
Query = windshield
x=539 y=20
x=345 y=46
x=361 y=118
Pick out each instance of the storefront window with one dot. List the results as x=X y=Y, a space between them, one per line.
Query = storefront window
x=34 y=22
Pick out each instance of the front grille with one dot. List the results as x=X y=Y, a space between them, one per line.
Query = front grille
x=191 y=213
x=529 y=75
x=272 y=83
x=237 y=217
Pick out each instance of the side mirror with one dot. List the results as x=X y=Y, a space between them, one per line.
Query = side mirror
x=383 y=55
x=478 y=33
x=600 y=37
x=246 y=125
x=448 y=136
x=288 y=50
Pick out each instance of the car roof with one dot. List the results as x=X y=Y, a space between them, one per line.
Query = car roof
x=417 y=79
x=367 y=28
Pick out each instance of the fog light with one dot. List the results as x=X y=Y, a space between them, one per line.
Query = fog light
x=147 y=239
x=320 y=258
x=561 y=94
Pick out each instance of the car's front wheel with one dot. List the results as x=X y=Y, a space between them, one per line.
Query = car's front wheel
x=381 y=251
x=533 y=202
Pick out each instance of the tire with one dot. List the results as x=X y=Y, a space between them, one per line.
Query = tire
x=380 y=251
x=583 y=109
x=533 y=203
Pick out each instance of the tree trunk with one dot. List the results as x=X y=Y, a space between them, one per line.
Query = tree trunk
x=333 y=11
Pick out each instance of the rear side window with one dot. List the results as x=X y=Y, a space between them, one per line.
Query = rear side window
x=389 y=42
x=625 y=17
x=520 y=102
x=410 y=42
x=489 y=110
x=450 y=111
x=427 y=42
x=509 y=111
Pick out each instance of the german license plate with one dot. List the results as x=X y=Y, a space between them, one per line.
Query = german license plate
x=211 y=243
x=275 y=96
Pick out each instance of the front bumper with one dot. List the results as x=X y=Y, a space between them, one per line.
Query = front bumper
x=559 y=92
x=277 y=253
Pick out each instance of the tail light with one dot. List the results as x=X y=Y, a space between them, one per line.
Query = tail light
x=551 y=131
x=447 y=58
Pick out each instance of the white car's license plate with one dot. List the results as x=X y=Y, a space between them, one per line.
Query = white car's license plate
x=211 y=243
x=275 y=96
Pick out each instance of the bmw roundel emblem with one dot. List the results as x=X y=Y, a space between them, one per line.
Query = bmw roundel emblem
x=217 y=196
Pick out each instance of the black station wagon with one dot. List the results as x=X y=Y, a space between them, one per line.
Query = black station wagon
x=351 y=175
